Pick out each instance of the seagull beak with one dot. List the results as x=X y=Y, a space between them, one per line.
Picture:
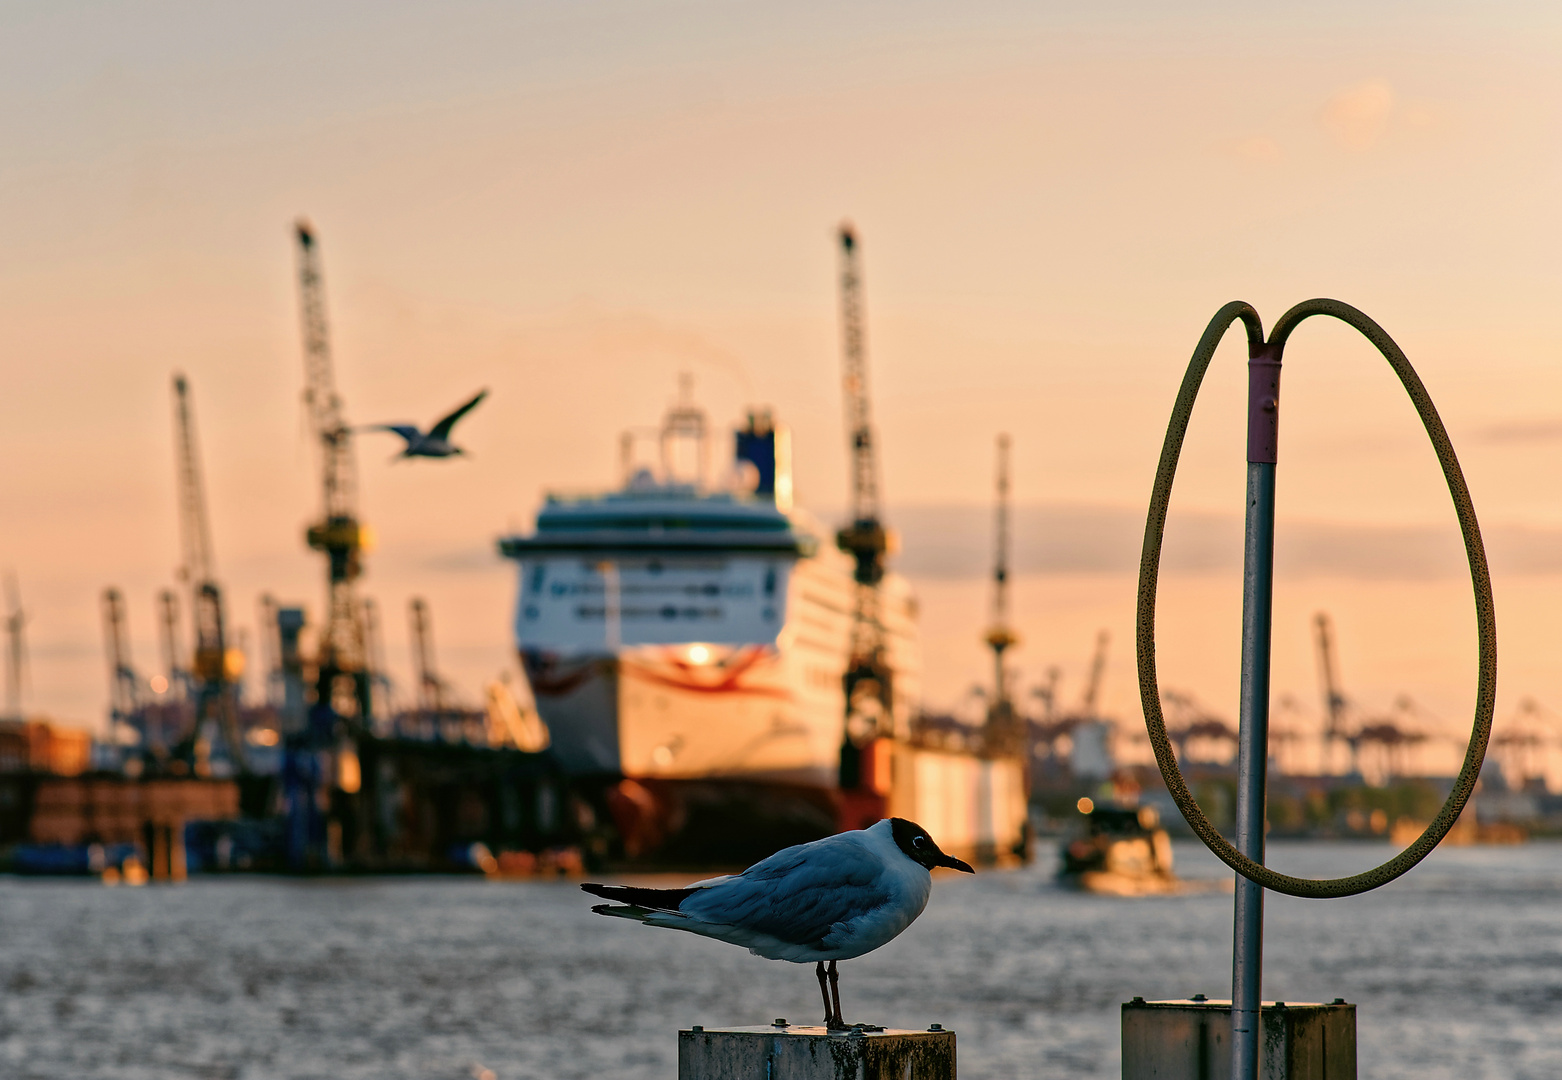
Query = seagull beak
x=955 y=864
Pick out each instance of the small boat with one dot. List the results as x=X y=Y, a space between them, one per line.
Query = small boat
x=1118 y=851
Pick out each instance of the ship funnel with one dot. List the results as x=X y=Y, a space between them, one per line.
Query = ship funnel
x=766 y=448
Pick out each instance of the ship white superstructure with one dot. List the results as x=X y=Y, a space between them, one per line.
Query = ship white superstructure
x=676 y=633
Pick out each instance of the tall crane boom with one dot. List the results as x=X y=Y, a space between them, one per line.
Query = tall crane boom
x=859 y=423
x=197 y=570
x=214 y=670
x=343 y=682
x=868 y=678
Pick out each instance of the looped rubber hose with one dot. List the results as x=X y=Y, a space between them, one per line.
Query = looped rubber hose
x=1149 y=572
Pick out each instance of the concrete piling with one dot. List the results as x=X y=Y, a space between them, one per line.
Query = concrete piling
x=1191 y=1040
x=784 y=1051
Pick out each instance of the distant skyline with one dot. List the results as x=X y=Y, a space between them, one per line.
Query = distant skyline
x=571 y=205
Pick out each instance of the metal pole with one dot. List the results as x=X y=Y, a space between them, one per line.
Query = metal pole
x=1247 y=949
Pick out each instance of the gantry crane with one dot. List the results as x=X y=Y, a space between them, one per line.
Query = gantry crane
x=1004 y=732
x=868 y=681
x=215 y=669
x=342 y=683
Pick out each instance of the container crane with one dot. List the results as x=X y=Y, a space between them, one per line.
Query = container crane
x=215 y=669
x=868 y=681
x=342 y=683
x=1004 y=732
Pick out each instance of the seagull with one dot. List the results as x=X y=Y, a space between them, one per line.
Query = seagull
x=436 y=443
x=834 y=899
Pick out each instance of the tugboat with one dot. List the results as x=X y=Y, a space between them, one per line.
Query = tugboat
x=1118 y=851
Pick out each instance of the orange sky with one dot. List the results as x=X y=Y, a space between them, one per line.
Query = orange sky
x=570 y=206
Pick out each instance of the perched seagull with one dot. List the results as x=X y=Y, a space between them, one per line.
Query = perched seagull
x=833 y=899
x=436 y=443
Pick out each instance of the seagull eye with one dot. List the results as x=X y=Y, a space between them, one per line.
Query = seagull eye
x=918 y=841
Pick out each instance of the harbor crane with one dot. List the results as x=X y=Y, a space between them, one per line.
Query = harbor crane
x=431 y=688
x=124 y=686
x=342 y=687
x=178 y=676
x=868 y=681
x=16 y=648
x=1335 y=702
x=1090 y=704
x=1004 y=731
x=215 y=669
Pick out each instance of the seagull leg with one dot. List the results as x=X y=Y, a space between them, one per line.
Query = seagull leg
x=837 y=1021
x=824 y=991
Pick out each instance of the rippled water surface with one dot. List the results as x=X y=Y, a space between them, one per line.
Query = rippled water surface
x=1457 y=972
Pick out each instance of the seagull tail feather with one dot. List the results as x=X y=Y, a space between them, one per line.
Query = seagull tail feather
x=635 y=896
x=638 y=914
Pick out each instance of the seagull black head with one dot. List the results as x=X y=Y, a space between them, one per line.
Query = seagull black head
x=919 y=847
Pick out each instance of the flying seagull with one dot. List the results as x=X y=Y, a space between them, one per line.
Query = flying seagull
x=436 y=442
x=833 y=899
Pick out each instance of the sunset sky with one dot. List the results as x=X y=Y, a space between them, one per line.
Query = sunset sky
x=570 y=204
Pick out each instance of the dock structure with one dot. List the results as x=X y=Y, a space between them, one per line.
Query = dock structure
x=783 y=1051
x=1191 y=1040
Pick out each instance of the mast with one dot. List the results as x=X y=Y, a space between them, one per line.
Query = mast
x=1003 y=732
x=342 y=686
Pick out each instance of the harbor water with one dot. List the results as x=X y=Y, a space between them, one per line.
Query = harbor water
x=1456 y=969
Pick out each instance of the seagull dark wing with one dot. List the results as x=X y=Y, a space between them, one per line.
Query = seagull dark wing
x=406 y=431
x=441 y=430
x=798 y=894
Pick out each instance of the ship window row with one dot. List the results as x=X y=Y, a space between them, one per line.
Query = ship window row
x=593 y=588
x=666 y=611
x=656 y=566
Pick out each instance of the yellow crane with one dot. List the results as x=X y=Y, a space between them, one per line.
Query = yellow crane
x=342 y=685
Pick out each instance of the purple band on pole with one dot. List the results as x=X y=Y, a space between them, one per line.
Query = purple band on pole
x=1263 y=405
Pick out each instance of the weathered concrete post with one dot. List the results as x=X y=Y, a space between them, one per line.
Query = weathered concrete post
x=1191 y=1040
x=785 y=1051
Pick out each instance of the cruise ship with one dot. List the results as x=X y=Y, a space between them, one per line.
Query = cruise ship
x=685 y=644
